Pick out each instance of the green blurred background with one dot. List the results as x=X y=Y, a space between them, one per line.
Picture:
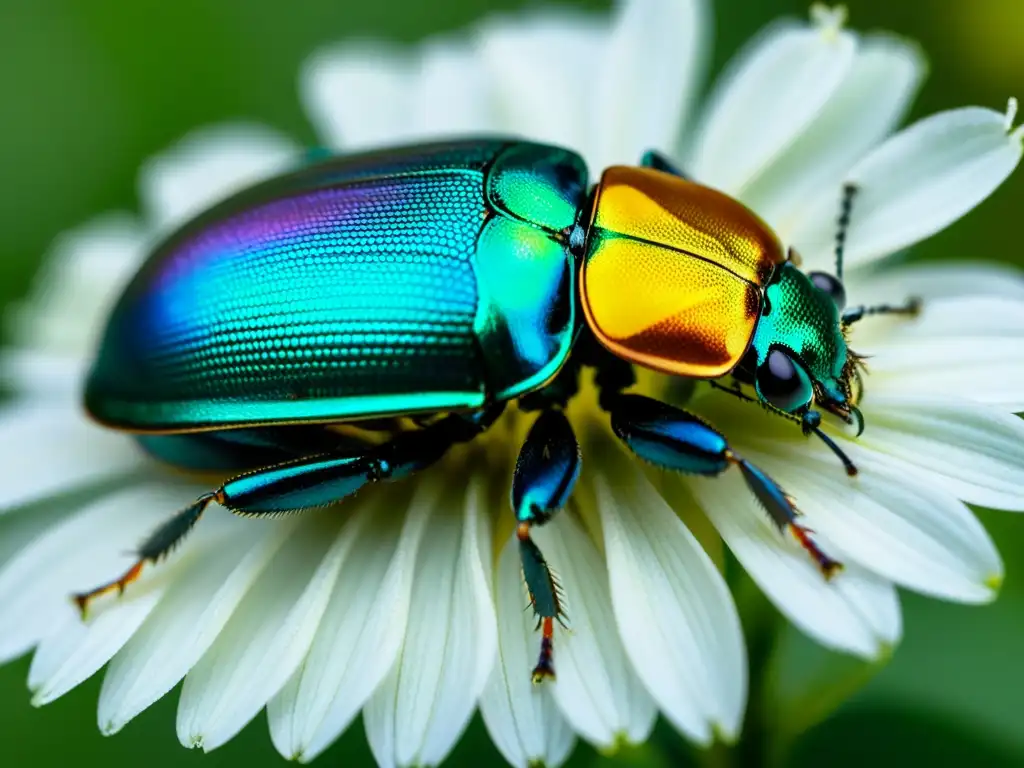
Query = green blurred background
x=91 y=88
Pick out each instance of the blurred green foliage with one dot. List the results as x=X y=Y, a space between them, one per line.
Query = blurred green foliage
x=91 y=88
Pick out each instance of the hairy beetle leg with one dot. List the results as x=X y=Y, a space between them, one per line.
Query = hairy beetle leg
x=153 y=549
x=305 y=483
x=545 y=474
x=680 y=441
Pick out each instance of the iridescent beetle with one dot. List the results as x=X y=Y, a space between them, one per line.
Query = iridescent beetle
x=441 y=282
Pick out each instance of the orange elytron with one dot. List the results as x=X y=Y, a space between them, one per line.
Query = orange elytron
x=674 y=272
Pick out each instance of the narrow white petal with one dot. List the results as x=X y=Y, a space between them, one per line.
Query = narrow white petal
x=81 y=551
x=978 y=368
x=542 y=68
x=32 y=374
x=195 y=609
x=207 y=166
x=524 y=723
x=868 y=104
x=917 y=183
x=422 y=707
x=359 y=636
x=267 y=636
x=52 y=448
x=767 y=97
x=985 y=319
x=992 y=316
x=675 y=615
x=972 y=451
x=76 y=650
x=450 y=94
x=654 y=60
x=856 y=612
x=597 y=689
x=20 y=528
x=913 y=534
x=935 y=281
x=82 y=275
x=358 y=95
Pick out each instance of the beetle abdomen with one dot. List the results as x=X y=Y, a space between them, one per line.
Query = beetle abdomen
x=331 y=293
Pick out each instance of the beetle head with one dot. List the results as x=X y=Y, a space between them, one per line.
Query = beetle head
x=798 y=357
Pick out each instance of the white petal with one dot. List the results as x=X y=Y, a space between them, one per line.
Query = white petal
x=522 y=719
x=675 y=615
x=978 y=368
x=913 y=534
x=76 y=650
x=51 y=448
x=37 y=375
x=81 y=551
x=597 y=689
x=450 y=94
x=359 y=95
x=267 y=637
x=83 y=274
x=992 y=316
x=972 y=451
x=857 y=612
x=359 y=636
x=917 y=183
x=195 y=609
x=767 y=97
x=868 y=104
x=542 y=68
x=935 y=281
x=654 y=60
x=418 y=713
x=209 y=165
x=21 y=527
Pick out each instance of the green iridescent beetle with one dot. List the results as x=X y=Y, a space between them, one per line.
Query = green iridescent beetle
x=440 y=283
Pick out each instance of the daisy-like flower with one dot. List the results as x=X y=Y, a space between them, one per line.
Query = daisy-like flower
x=407 y=603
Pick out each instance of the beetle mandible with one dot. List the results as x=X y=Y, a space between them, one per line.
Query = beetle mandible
x=441 y=282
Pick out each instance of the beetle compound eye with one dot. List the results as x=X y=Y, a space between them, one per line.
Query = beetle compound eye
x=782 y=382
x=831 y=285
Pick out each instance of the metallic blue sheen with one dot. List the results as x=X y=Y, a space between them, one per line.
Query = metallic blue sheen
x=396 y=282
x=291 y=487
x=547 y=469
x=670 y=437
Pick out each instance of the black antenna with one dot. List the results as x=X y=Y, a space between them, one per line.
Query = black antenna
x=845 y=207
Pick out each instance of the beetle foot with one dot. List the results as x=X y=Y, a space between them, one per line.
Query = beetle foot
x=84 y=599
x=545 y=669
x=828 y=567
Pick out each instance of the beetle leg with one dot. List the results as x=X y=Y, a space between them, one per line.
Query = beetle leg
x=305 y=483
x=159 y=543
x=675 y=439
x=546 y=471
x=658 y=161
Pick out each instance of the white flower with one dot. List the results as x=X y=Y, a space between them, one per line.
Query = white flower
x=408 y=606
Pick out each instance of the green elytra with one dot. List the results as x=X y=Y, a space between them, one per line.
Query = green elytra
x=437 y=283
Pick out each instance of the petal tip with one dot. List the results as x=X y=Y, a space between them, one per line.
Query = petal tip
x=726 y=733
x=1011 y=116
x=884 y=652
x=994 y=582
x=829 y=19
x=110 y=727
